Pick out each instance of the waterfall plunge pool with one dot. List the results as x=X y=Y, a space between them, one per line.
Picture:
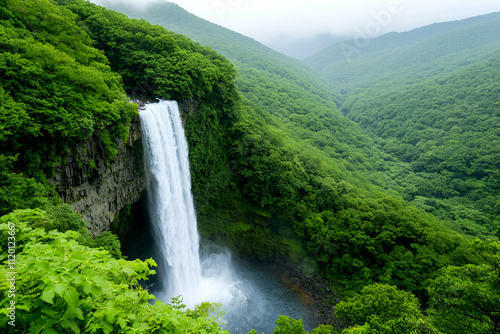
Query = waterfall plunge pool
x=259 y=294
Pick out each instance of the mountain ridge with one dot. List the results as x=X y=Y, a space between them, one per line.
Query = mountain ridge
x=406 y=38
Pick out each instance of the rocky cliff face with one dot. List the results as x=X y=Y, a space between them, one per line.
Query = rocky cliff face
x=97 y=189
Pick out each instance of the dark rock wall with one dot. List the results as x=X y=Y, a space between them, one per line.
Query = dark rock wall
x=97 y=189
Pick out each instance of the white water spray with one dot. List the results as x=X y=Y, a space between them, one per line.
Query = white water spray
x=171 y=203
x=173 y=216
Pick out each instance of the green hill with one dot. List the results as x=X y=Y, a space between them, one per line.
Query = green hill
x=408 y=57
x=429 y=97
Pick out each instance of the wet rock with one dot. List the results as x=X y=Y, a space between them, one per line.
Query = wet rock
x=315 y=293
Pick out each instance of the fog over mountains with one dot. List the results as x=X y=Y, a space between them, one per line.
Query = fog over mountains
x=300 y=29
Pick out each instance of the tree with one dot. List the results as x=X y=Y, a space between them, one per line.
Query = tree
x=287 y=325
x=378 y=301
x=467 y=298
x=381 y=308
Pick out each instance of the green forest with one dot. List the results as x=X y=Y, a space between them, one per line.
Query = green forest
x=385 y=185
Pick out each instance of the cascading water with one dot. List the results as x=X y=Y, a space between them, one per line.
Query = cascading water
x=170 y=200
x=172 y=216
x=172 y=213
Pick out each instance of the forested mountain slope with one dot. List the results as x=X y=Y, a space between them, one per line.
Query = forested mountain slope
x=431 y=95
x=408 y=57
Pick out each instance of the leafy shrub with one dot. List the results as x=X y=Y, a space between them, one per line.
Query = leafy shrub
x=64 y=286
x=109 y=242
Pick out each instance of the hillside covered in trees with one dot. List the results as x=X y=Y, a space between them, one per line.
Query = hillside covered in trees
x=430 y=99
x=279 y=174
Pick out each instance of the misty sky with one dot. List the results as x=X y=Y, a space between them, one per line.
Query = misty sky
x=291 y=25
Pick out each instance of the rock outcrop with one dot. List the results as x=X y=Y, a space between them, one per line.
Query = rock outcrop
x=97 y=189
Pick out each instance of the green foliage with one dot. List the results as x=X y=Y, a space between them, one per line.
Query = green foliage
x=324 y=329
x=154 y=61
x=208 y=310
x=378 y=302
x=62 y=218
x=56 y=89
x=403 y=325
x=287 y=325
x=18 y=192
x=177 y=303
x=467 y=298
x=64 y=286
x=381 y=308
x=107 y=141
x=109 y=241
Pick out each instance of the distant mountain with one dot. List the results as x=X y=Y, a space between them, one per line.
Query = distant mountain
x=420 y=53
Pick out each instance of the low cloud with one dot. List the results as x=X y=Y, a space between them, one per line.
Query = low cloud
x=288 y=25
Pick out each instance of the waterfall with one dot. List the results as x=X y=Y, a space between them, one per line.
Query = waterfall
x=171 y=205
x=254 y=303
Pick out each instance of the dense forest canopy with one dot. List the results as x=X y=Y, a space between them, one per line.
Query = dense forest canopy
x=279 y=174
x=430 y=99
